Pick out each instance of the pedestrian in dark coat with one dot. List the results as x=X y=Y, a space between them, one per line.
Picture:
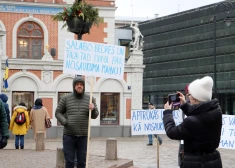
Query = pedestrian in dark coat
x=4 y=133
x=4 y=98
x=201 y=129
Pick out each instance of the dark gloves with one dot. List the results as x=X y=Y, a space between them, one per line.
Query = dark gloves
x=3 y=142
x=167 y=112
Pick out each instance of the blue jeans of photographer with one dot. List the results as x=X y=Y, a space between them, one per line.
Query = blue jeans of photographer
x=72 y=145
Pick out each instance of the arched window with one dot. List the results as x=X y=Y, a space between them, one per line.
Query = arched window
x=30 y=41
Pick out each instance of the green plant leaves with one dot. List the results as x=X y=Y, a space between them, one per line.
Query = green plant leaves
x=80 y=10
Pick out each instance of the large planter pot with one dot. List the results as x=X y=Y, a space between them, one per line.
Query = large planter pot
x=78 y=25
x=87 y=27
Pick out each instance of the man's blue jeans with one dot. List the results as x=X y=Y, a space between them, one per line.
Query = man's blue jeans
x=72 y=144
x=150 y=136
x=19 y=141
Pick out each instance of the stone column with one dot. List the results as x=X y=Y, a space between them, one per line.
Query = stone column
x=40 y=141
x=111 y=149
x=137 y=89
x=136 y=63
x=136 y=57
x=60 y=162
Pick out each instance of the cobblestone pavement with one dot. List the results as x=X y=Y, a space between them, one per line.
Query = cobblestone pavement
x=133 y=148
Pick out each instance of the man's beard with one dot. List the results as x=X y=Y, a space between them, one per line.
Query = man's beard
x=80 y=93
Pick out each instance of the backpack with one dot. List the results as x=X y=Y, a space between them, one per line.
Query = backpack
x=20 y=118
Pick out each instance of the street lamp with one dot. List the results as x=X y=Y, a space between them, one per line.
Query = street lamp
x=227 y=8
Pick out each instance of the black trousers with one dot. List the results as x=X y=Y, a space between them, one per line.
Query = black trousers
x=72 y=145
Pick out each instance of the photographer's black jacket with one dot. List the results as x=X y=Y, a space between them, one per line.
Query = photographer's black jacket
x=200 y=131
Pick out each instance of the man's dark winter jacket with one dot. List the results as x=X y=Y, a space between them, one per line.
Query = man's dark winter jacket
x=73 y=111
x=3 y=122
x=200 y=131
x=5 y=99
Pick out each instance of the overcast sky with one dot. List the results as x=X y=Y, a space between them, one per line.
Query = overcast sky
x=148 y=8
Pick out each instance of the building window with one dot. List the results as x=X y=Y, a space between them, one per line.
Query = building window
x=25 y=97
x=30 y=41
x=126 y=44
x=145 y=101
x=60 y=95
x=110 y=108
x=227 y=103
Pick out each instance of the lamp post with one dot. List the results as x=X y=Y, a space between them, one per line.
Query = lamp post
x=227 y=8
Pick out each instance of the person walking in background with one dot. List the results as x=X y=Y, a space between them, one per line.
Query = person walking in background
x=4 y=133
x=38 y=115
x=73 y=113
x=150 y=136
x=19 y=124
x=201 y=129
x=5 y=99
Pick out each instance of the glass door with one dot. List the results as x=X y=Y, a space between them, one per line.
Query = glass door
x=22 y=97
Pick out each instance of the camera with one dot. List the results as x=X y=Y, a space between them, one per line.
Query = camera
x=173 y=98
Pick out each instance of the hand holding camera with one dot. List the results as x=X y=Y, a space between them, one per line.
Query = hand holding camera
x=182 y=98
x=177 y=97
x=173 y=98
x=174 y=101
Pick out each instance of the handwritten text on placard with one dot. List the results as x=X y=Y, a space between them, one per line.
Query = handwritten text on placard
x=228 y=132
x=94 y=59
x=145 y=122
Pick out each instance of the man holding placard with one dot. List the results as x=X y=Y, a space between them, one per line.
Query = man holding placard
x=201 y=129
x=88 y=59
x=73 y=113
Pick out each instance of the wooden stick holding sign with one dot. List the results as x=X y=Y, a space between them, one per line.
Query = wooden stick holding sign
x=89 y=122
x=157 y=152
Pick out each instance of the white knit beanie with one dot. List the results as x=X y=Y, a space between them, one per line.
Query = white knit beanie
x=201 y=89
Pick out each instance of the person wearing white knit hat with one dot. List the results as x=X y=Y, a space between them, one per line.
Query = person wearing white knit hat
x=201 y=89
x=201 y=129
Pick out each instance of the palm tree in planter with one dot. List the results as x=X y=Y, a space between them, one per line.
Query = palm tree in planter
x=79 y=17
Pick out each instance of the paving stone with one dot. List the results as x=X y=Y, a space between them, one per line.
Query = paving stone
x=131 y=148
